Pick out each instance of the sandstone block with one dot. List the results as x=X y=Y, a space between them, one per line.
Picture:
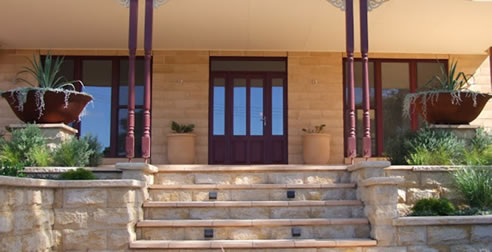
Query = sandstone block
x=10 y=242
x=39 y=240
x=421 y=249
x=386 y=235
x=33 y=197
x=97 y=240
x=167 y=214
x=286 y=178
x=111 y=217
x=208 y=213
x=251 y=178
x=250 y=213
x=412 y=235
x=382 y=194
x=481 y=233
x=70 y=219
x=402 y=196
x=447 y=235
x=206 y=178
x=120 y=197
x=119 y=239
x=5 y=222
x=246 y=195
x=75 y=239
x=82 y=198
x=414 y=194
x=174 y=179
x=436 y=178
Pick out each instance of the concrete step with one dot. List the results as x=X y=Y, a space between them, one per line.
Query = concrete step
x=243 y=192
x=253 y=244
x=202 y=210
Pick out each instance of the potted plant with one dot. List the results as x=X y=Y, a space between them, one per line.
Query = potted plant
x=316 y=145
x=52 y=100
x=181 y=144
x=447 y=99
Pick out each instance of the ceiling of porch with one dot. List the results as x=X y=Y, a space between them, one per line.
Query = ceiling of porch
x=409 y=26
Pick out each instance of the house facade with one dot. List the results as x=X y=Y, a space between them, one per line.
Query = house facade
x=249 y=74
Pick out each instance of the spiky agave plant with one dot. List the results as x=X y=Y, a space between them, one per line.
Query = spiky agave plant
x=47 y=73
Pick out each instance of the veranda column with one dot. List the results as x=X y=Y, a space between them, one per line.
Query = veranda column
x=149 y=14
x=132 y=47
x=366 y=140
x=349 y=27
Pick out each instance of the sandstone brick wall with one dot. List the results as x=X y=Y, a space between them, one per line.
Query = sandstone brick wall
x=181 y=84
x=47 y=215
x=423 y=182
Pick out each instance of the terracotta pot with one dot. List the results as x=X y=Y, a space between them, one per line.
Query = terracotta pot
x=181 y=148
x=316 y=148
x=442 y=111
x=55 y=110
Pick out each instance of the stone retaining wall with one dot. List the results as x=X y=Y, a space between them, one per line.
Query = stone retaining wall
x=423 y=182
x=457 y=233
x=48 y=215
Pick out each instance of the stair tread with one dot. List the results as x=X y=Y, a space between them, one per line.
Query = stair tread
x=299 y=203
x=252 y=222
x=251 y=186
x=281 y=243
x=236 y=168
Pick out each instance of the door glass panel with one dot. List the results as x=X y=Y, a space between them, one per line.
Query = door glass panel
x=256 y=109
x=395 y=82
x=277 y=107
x=139 y=82
x=96 y=119
x=239 y=107
x=219 y=107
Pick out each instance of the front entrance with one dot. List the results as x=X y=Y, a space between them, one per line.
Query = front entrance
x=248 y=111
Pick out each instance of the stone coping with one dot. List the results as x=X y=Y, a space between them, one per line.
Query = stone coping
x=65 y=169
x=381 y=181
x=46 y=183
x=252 y=222
x=137 y=166
x=46 y=126
x=454 y=126
x=369 y=164
x=442 y=220
x=248 y=168
x=430 y=168
x=252 y=244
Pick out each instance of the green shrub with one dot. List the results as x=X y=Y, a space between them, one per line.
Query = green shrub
x=74 y=152
x=19 y=150
x=433 y=207
x=40 y=155
x=475 y=183
x=182 y=128
x=472 y=211
x=434 y=147
x=95 y=159
x=79 y=174
x=396 y=149
x=11 y=170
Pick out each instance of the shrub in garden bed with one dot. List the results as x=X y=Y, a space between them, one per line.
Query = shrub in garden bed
x=27 y=147
x=79 y=174
x=433 y=207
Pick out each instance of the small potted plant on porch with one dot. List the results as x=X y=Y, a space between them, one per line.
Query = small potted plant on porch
x=181 y=144
x=52 y=100
x=447 y=99
x=316 y=145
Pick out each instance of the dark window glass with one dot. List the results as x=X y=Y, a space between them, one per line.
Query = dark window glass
x=248 y=65
x=123 y=128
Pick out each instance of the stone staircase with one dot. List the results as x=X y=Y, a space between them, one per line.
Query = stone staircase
x=226 y=208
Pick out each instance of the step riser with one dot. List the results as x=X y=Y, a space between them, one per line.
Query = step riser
x=321 y=177
x=253 y=213
x=256 y=195
x=255 y=233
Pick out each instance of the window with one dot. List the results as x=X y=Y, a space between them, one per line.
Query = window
x=390 y=80
x=106 y=79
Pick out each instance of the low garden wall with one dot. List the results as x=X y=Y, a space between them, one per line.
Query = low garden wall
x=423 y=182
x=50 y=215
x=450 y=233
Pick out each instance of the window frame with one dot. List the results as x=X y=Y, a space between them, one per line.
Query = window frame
x=115 y=95
x=378 y=101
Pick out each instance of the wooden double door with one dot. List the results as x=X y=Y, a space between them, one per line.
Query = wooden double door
x=248 y=118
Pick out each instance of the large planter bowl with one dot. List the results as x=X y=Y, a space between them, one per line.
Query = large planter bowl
x=57 y=108
x=316 y=148
x=441 y=110
x=181 y=148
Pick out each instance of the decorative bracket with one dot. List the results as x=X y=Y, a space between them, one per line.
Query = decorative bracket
x=372 y=4
x=157 y=3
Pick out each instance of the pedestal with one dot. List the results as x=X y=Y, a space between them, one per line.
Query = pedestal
x=463 y=131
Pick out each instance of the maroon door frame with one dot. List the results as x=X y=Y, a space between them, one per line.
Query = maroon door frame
x=268 y=140
x=378 y=106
